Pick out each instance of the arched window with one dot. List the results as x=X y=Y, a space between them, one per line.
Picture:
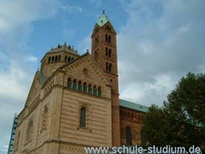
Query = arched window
x=107 y=66
x=94 y=91
x=74 y=84
x=110 y=52
x=69 y=83
x=110 y=67
x=59 y=58
x=106 y=38
x=83 y=117
x=49 y=59
x=79 y=86
x=52 y=59
x=66 y=58
x=56 y=58
x=99 y=91
x=90 y=89
x=106 y=51
x=129 y=135
x=69 y=59
x=85 y=87
x=109 y=39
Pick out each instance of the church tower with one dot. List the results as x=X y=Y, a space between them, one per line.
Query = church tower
x=104 y=51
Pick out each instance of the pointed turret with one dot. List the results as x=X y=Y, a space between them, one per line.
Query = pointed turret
x=102 y=20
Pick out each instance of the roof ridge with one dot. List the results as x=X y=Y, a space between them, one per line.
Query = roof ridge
x=133 y=106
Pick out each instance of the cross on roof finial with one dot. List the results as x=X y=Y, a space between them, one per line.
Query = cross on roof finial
x=103 y=11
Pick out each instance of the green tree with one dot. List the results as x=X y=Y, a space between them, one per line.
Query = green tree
x=183 y=115
x=155 y=123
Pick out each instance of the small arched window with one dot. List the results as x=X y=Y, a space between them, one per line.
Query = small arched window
x=59 y=58
x=56 y=58
x=69 y=59
x=69 y=83
x=49 y=59
x=83 y=117
x=85 y=87
x=79 y=86
x=66 y=58
x=90 y=89
x=109 y=39
x=107 y=66
x=74 y=84
x=106 y=38
x=129 y=135
x=53 y=59
x=110 y=52
x=94 y=91
x=99 y=91
x=106 y=51
x=110 y=67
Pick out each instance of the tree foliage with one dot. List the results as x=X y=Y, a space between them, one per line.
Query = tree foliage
x=181 y=121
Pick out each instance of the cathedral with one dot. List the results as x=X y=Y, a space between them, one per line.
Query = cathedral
x=74 y=101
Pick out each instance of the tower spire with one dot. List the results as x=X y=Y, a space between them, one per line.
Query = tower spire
x=103 y=19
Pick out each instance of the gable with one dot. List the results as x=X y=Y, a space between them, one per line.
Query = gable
x=108 y=26
x=34 y=90
x=87 y=68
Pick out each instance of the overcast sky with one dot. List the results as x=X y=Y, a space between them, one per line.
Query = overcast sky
x=159 y=41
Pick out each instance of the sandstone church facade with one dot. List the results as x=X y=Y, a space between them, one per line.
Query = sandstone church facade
x=74 y=101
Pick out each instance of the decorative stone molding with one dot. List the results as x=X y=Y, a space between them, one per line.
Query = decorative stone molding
x=73 y=149
x=90 y=62
x=49 y=87
x=29 y=131
x=131 y=116
x=33 y=105
x=44 y=120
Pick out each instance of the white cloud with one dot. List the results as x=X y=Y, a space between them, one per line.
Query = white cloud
x=32 y=59
x=96 y=2
x=163 y=41
x=15 y=81
x=72 y=9
x=68 y=33
x=15 y=13
x=84 y=45
x=16 y=62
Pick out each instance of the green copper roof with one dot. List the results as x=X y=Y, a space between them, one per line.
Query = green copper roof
x=102 y=20
x=133 y=106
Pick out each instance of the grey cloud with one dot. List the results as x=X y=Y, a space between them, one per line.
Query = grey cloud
x=168 y=41
x=16 y=62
